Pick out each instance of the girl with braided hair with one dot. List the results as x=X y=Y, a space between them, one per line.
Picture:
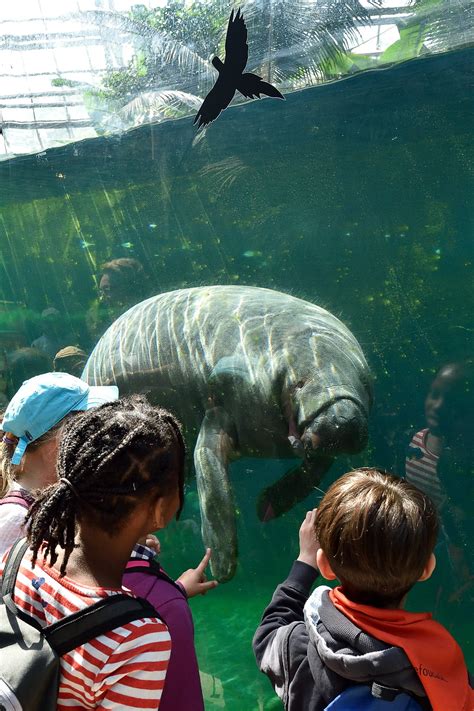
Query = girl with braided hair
x=120 y=474
x=40 y=409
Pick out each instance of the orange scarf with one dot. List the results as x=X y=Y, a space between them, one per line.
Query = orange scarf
x=434 y=654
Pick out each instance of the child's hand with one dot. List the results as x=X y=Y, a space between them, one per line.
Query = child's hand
x=151 y=541
x=194 y=580
x=309 y=544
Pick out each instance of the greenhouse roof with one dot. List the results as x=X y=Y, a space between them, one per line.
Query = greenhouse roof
x=75 y=69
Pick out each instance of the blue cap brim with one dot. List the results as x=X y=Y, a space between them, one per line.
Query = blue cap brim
x=96 y=396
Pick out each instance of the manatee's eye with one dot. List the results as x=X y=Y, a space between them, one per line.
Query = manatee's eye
x=299 y=385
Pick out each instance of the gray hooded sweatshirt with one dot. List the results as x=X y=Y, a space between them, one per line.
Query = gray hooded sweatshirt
x=311 y=652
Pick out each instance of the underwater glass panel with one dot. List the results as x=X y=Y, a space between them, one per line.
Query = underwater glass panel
x=125 y=64
x=355 y=195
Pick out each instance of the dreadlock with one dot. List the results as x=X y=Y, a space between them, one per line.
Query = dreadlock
x=108 y=458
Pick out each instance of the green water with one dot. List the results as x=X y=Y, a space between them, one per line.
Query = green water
x=355 y=195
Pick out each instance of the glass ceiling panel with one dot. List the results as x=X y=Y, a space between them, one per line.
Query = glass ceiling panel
x=74 y=69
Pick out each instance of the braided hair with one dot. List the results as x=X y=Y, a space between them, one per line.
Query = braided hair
x=109 y=458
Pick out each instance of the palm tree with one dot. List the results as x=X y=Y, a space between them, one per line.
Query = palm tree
x=293 y=44
x=289 y=40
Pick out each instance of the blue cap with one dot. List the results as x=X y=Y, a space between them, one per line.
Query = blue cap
x=43 y=401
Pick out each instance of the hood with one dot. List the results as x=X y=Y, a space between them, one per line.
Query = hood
x=352 y=653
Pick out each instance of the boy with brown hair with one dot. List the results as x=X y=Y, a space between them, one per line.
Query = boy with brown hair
x=355 y=647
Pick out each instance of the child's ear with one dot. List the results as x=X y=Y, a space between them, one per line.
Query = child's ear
x=429 y=568
x=159 y=514
x=324 y=565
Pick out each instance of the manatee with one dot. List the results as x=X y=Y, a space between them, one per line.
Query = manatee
x=249 y=372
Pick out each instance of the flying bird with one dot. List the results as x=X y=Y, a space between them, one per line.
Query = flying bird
x=231 y=77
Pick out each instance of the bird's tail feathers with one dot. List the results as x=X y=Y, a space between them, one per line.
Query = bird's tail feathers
x=251 y=86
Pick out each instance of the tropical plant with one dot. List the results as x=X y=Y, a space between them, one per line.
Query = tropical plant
x=290 y=44
x=432 y=26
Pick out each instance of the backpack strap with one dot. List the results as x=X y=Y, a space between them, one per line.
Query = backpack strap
x=134 y=565
x=390 y=694
x=17 y=498
x=12 y=565
x=386 y=693
x=107 y=614
x=10 y=572
x=82 y=626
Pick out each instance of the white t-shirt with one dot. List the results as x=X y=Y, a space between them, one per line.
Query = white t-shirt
x=12 y=520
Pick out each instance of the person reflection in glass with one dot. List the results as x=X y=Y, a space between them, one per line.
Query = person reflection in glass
x=123 y=283
x=440 y=462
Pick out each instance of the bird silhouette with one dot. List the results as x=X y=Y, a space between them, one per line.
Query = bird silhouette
x=231 y=77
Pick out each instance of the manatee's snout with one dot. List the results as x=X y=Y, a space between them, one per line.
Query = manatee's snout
x=341 y=427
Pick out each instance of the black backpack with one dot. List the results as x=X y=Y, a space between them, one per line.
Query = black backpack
x=29 y=653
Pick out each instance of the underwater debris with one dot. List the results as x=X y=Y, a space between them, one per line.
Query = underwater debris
x=85 y=245
x=252 y=253
x=224 y=172
x=231 y=77
x=152 y=226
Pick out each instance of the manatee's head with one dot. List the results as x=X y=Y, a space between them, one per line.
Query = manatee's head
x=332 y=395
x=341 y=426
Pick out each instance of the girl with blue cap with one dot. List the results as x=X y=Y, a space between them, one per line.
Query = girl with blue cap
x=28 y=449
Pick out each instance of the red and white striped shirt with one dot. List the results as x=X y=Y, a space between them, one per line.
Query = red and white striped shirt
x=122 y=669
x=421 y=469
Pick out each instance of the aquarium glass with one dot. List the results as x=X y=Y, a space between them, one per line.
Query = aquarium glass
x=354 y=193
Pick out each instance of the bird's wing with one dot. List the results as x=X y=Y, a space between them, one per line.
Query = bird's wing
x=251 y=85
x=236 y=47
x=216 y=101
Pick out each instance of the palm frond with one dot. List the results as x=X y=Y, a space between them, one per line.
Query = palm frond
x=447 y=24
x=287 y=38
x=114 y=26
x=154 y=106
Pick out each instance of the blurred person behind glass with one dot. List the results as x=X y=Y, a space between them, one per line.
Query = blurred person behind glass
x=70 y=360
x=53 y=335
x=25 y=363
x=122 y=284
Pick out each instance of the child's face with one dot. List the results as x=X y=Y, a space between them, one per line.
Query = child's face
x=440 y=403
x=169 y=505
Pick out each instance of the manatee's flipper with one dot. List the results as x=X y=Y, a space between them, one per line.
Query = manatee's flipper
x=228 y=377
x=214 y=446
x=251 y=86
x=293 y=487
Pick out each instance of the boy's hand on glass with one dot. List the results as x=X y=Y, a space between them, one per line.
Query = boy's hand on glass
x=194 y=580
x=309 y=544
